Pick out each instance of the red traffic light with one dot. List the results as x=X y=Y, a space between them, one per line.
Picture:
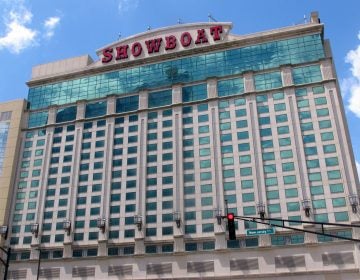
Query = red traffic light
x=230 y=216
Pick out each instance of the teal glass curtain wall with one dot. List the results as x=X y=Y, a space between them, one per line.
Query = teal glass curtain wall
x=185 y=70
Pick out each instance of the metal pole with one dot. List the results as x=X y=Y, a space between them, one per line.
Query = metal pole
x=38 y=268
x=226 y=207
x=7 y=263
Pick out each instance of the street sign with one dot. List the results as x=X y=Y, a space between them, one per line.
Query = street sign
x=251 y=232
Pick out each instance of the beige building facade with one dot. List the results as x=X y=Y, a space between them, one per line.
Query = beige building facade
x=129 y=162
x=11 y=114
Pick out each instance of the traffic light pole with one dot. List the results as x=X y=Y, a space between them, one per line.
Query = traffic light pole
x=7 y=262
x=263 y=222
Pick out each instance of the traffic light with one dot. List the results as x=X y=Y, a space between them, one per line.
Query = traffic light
x=231 y=226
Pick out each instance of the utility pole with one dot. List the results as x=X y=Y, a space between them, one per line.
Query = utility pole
x=38 y=266
x=7 y=262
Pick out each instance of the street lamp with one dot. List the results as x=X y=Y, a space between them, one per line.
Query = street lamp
x=218 y=215
x=35 y=229
x=306 y=204
x=177 y=218
x=354 y=202
x=261 y=210
x=4 y=231
x=138 y=221
x=67 y=226
x=101 y=224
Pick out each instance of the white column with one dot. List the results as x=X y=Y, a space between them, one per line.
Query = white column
x=212 y=88
x=249 y=85
x=143 y=100
x=286 y=76
x=176 y=94
x=80 y=112
x=52 y=115
x=39 y=214
x=179 y=245
x=141 y=185
x=327 y=69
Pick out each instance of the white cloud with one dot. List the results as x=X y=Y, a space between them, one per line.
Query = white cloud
x=50 y=25
x=19 y=32
x=18 y=35
x=127 y=5
x=351 y=85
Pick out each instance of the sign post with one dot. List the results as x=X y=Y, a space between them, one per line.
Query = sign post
x=264 y=231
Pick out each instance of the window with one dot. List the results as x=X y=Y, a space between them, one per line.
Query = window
x=300 y=92
x=230 y=87
x=306 y=74
x=203 y=118
x=265 y=132
x=322 y=112
x=66 y=114
x=334 y=174
x=332 y=161
x=127 y=104
x=339 y=202
x=267 y=144
x=281 y=118
x=267 y=81
x=327 y=136
x=306 y=126
x=317 y=190
x=289 y=193
x=160 y=98
x=329 y=149
x=320 y=101
x=280 y=107
x=95 y=109
x=341 y=216
x=324 y=124
x=194 y=93
x=286 y=154
x=319 y=204
x=264 y=120
x=246 y=197
x=336 y=188
x=272 y=195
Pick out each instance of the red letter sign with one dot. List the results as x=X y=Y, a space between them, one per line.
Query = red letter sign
x=201 y=37
x=107 y=53
x=170 y=42
x=215 y=32
x=136 y=49
x=185 y=39
x=153 y=45
x=121 y=52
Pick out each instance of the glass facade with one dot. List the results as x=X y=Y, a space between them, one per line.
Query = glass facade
x=185 y=70
x=4 y=129
x=66 y=114
x=160 y=98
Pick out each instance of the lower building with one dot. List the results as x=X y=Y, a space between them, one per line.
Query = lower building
x=129 y=163
x=11 y=122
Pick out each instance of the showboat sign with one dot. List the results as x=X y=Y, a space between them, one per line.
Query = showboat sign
x=166 y=43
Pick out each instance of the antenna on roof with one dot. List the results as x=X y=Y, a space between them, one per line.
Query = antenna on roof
x=211 y=18
x=149 y=27
x=119 y=36
x=302 y=21
x=179 y=21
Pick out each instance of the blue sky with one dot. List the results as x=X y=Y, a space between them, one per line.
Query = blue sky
x=40 y=31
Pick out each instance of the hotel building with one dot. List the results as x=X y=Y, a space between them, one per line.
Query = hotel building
x=128 y=162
